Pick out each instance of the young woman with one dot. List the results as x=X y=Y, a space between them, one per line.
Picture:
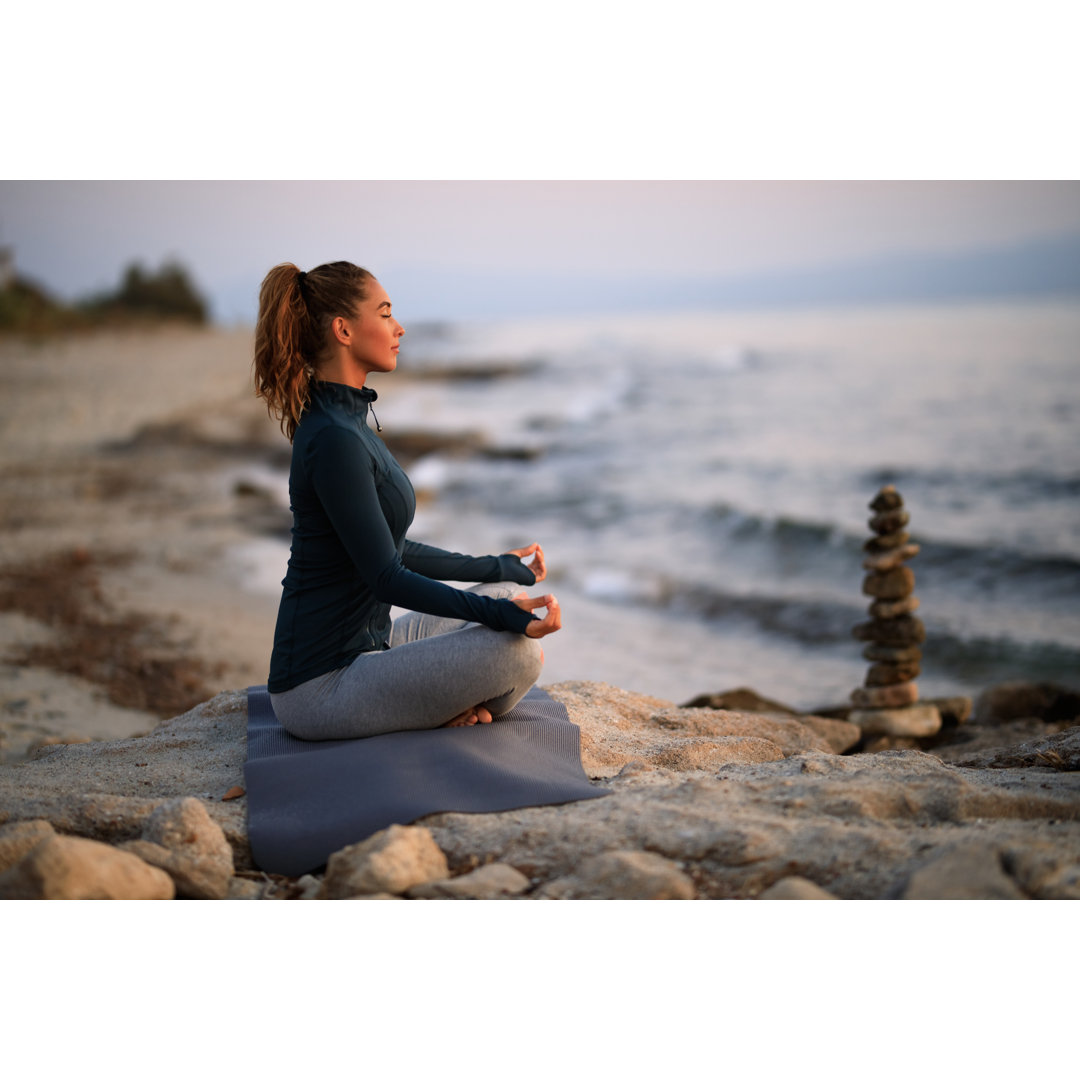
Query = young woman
x=339 y=668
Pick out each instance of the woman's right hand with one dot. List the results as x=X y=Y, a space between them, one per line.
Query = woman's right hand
x=551 y=622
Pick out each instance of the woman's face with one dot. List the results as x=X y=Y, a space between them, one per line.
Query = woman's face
x=374 y=334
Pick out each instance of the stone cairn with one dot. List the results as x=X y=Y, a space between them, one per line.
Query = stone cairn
x=888 y=702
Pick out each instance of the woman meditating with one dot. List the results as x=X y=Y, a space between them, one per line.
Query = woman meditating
x=339 y=667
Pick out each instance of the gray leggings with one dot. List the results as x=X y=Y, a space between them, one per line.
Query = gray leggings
x=434 y=670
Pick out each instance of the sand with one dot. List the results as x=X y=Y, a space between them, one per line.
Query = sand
x=131 y=466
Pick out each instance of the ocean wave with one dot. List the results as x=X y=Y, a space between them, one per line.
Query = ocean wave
x=969 y=564
x=1018 y=488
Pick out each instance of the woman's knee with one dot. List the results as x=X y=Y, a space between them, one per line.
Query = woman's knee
x=529 y=656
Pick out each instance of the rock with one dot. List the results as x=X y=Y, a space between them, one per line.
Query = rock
x=72 y=868
x=742 y=699
x=796 y=888
x=107 y=790
x=886 y=542
x=182 y=839
x=618 y=728
x=495 y=881
x=309 y=886
x=392 y=861
x=888 y=498
x=245 y=889
x=967 y=872
x=19 y=838
x=1060 y=751
x=896 y=633
x=954 y=710
x=890 y=609
x=889 y=584
x=1042 y=871
x=891 y=674
x=623 y=875
x=917 y=721
x=888 y=521
x=889 y=560
x=1019 y=700
x=862 y=823
x=892 y=654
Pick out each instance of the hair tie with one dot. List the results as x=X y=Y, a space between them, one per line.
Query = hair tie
x=300 y=276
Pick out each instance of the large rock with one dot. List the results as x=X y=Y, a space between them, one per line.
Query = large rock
x=1022 y=700
x=181 y=838
x=618 y=727
x=391 y=861
x=108 y=790
x=967 y=872
x=19 y=838
x=735 y=801
x=72 y=868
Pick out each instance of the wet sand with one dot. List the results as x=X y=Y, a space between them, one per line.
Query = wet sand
x=129 y=475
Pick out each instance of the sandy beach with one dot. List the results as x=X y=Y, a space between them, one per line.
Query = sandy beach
x=125 y=466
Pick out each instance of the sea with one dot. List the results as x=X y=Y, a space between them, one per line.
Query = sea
x=700 y=482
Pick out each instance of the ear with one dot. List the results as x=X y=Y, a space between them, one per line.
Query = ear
x=339 y=328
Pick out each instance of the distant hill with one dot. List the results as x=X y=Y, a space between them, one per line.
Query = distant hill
x=1041 y=268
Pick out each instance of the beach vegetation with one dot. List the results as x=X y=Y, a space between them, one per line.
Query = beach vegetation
x=143 y=296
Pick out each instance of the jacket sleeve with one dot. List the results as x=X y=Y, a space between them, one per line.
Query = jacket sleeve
x=442 y=565
x=342 y=474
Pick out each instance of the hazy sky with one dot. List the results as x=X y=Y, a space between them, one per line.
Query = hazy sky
x=476 y=248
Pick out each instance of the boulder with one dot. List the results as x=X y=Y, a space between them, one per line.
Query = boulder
x=1022 y=700
x=392 y=861
x=748 y=801
x=108 y=790
x=971 y=871
x=73 y=868
x=181 y=838
x=19 y=838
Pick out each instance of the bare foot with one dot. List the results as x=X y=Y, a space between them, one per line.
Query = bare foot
x=476 y=715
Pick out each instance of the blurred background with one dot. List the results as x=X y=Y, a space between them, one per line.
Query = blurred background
x=688 y=391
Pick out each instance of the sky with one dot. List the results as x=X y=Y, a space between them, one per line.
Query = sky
x=476 y=249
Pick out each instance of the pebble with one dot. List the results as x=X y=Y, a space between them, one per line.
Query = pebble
x=888 y=498
x=889 y=674
x=889 y=521
x=916 y=721
x=796 y=888
x=886 y=560
x=890 y=609
x=886 y=542
x=885 y=697
x=889 y=585
x=494 y=881
x=907 y=630
x=892 y=654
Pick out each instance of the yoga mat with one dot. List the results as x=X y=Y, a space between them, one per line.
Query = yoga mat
x=307 y=800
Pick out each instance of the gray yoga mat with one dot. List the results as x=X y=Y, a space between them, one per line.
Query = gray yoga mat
x=307 y=800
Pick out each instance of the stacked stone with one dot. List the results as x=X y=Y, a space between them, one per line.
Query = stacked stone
x=888 y=702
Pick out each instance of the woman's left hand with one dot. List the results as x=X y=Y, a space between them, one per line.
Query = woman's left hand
x=537 y=565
